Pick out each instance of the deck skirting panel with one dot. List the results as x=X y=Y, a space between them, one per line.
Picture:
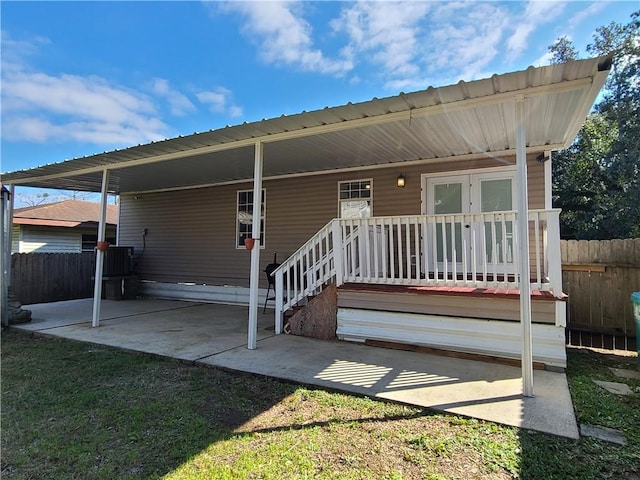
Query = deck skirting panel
x=230 y=294
x=468 y=335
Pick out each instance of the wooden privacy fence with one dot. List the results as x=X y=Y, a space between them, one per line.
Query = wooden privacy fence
x=52 y=277
x=599 y=276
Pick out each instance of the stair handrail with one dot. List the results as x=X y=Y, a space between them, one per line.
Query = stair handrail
x=307 y=273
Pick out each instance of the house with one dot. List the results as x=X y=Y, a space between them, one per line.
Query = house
x=67 y=226
x=422 y=211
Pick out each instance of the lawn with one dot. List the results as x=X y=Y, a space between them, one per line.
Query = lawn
x=73 y=410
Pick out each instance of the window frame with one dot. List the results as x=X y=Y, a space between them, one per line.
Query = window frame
x=353 y=181
x=263 y=218
x=91 y=240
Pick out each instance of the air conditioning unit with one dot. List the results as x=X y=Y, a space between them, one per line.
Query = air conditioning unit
x=118 y=261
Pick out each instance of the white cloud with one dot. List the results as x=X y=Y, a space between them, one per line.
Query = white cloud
x=40 y=107
x=179 y=103
x=284 y=36
x=467 y=39
x=387 y=31
x=593 y=9
x=416 y=44
x=235 y=111
x=536 y=14
x=543 y=60
x=406 y=44
x=220 y=100
x=13 y=51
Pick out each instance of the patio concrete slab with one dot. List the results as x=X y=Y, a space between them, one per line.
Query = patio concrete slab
x=466 y=387
x=71 y=312
x=181 y=330
x=216 y=335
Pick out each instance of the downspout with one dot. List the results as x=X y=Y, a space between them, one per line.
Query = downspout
x=523 y=254
x=255 y=251
x=97 y=288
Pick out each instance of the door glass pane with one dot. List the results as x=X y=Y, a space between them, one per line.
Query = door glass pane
x=448 y=199
x=496 y=196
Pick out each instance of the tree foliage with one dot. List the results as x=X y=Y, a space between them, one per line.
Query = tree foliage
x=597 y=179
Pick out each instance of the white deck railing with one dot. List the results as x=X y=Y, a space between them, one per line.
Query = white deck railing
x=477 y=250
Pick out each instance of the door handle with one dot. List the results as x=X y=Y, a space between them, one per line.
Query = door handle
x=467 y=226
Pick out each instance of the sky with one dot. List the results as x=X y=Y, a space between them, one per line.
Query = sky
x=80 y=78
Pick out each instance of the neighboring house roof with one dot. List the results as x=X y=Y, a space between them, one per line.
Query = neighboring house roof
x=463 y=121
x=67 y=213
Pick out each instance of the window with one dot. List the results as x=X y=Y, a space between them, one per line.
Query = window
x=89 y=242
x=244 y=217
x=355 y=198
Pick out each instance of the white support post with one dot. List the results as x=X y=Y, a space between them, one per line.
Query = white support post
x=523 y=254
x=336 y=234
x=548 y=205
x=279 y=292
x=97 y=286
x=255 y=252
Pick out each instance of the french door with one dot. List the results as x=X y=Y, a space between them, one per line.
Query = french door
x=459 y=241
x=449 y=195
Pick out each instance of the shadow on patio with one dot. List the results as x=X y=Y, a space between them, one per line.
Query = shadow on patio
x=216 y=335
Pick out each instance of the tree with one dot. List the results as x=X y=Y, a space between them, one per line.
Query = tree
x=581 y=187
x=33 y=199
x=563 y=50
x=597 y=179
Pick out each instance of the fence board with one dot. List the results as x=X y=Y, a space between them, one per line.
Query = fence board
x=599 y=305
x=52 y=277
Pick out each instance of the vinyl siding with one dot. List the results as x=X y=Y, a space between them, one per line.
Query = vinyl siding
x=191 y=233
x=50 y=240
x=43 y=239
x=535 y=185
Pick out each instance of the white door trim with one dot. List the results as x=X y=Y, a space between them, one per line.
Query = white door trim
x=424 y=194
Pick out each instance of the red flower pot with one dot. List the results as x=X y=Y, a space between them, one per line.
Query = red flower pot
x=249 y=243
x=103 y=246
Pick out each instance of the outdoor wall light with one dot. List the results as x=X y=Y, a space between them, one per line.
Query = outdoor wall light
x=400 y=181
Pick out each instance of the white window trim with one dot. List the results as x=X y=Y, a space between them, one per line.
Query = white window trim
x=263 y=218
x=370 y=180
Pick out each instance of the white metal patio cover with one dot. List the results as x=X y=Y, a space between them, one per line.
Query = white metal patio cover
x=534 y=110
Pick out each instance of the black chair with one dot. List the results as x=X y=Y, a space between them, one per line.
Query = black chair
x=269 y=269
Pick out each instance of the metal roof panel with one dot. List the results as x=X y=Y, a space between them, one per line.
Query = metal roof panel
x=460 y=119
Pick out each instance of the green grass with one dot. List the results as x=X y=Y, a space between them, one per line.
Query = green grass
x=73 y=410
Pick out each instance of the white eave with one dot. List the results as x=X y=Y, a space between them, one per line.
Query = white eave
x=465 y=120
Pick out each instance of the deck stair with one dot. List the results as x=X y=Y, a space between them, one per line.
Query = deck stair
x=450 y=258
